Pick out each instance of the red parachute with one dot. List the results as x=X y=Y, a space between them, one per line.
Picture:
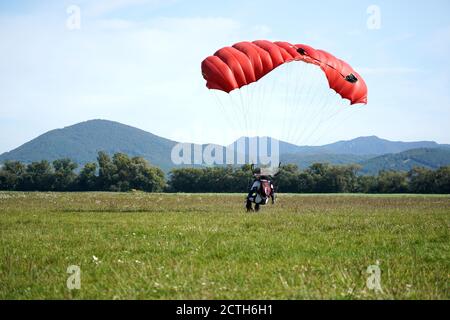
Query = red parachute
x=233 y=67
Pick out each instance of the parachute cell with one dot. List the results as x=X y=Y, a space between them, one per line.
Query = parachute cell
x=244 y=63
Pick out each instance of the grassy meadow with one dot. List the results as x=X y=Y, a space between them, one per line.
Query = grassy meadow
x=204 y=246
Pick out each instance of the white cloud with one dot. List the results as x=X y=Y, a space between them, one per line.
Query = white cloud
x=143 y=74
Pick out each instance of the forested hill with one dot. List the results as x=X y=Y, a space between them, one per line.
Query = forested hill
x=81 y=143
x=405 y=161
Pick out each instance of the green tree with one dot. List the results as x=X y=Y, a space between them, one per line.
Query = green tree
x=443 y=180
x=422 y=180
x=242 y=177
x=64 y=175
x=87 y=179
x=392 y=182
x=185 y=180
x=106 y=172
x=287 y=179
x=342 y=179
x=145 y=177
x=38 y=176
x=11 y=174
x=318 y=173
x=121 y=173
x=367 y=184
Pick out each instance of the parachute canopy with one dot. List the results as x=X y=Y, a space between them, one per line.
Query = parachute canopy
x=244 y=63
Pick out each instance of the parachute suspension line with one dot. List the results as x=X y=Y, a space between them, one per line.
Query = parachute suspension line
x=318 y=107
x=296 y=105
x=337 y=124
x=256 y=107
x=245 y=112
x=262 y=107
x=305 y=106
x=299 y=83
x=246 y=105
x=264 y=104
x=252 y=100
x=328 y=112
x=249 y=96
x=269 y=101
x=224 y=110
x=293 y=119
x=313 y=109
x=286 y=99
x=334 y=111
x=288 y=102
x=259 y=109
x=322 y=109
x=328 y=124
x=261 y=104
x=239 y=111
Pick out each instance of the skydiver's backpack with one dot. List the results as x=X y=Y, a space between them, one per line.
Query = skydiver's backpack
x=266 y=189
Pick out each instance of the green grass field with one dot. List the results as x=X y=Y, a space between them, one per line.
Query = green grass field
x=160 y=246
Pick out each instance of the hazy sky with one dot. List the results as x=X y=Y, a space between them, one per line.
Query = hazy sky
x=138 y=62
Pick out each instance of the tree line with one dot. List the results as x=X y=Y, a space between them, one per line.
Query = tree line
x=318 y=178
x=119 y=173
x=325 y=178
x=123 y=173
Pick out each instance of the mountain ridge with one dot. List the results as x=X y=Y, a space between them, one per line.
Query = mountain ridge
x=430 y=158
x=82 y=141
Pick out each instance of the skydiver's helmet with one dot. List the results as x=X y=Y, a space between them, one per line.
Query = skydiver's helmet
x=257 y=172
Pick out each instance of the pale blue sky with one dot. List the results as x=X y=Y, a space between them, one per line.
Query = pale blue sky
x=138 y=62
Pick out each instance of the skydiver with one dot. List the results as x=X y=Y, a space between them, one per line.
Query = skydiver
x=261 y=189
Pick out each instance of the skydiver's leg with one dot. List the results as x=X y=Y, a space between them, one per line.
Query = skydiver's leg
x=257 y=207
x=248 y=206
